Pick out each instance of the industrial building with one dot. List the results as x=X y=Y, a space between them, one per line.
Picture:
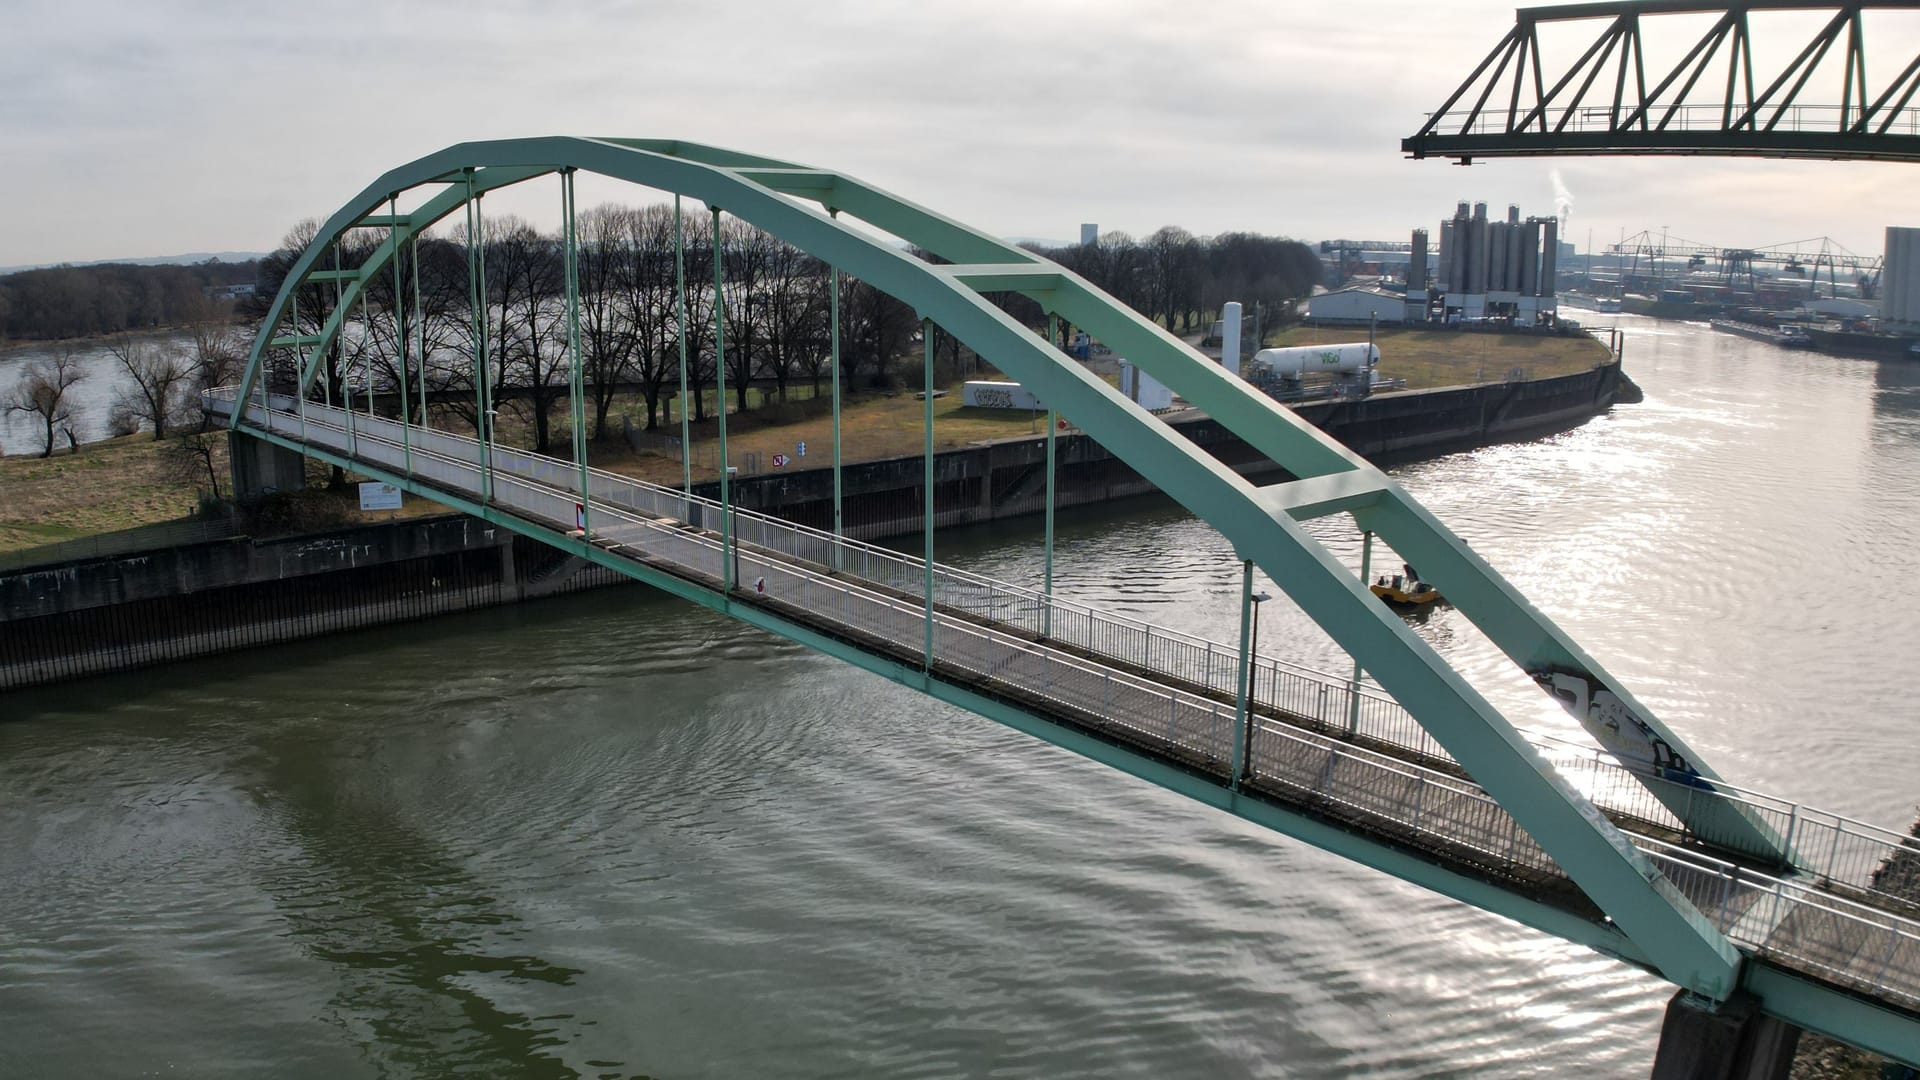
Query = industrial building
x=1900 y=281
x=1359 y=305
x=1490 y=269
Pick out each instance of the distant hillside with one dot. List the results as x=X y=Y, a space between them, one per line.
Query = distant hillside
x=156 y=260
x=106 y=298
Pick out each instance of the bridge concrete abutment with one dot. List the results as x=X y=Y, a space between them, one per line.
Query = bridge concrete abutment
x=1731 y=1040
x=259 y=467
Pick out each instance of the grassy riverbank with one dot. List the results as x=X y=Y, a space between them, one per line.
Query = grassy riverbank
x=111 y=485
x=1433 y=358
x=133 y=481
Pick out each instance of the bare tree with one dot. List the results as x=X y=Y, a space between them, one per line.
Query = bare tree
x=795 y=317
x=42 y=393
x=195 y=452
x=219 y=354
x=1172 y=264
x=648 y=283
x=525 y=280
x=747 y=251
x=701 y=369
x=875 y=329
x=161 y=378
x=607 y=326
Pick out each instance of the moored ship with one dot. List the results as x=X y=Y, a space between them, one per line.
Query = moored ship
x=1787 y=337
x=1863 y=343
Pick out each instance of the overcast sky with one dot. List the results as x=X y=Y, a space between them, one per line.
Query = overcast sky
x=164 y=126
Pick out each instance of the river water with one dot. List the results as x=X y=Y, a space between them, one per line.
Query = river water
x=90 y=401
x=613 y=835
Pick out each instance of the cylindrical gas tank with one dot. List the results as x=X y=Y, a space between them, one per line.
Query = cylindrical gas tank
x=1291 y=363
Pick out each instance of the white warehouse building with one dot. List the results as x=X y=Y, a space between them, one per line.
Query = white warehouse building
x=1358 y=306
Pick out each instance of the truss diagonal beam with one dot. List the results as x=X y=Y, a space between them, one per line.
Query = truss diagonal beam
x=1853 y=123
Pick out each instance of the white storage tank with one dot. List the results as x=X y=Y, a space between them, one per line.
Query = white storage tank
x=1291 y=363
x=999 y=395
x=1900 y=278
x=1144 y=390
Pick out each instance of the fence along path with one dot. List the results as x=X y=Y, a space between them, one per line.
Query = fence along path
x=1172 y=695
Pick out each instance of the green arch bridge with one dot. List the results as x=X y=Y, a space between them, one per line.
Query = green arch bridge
x=1637 y=849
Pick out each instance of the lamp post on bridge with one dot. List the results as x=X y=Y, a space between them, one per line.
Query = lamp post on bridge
x=730 y=547
x=1250 y=697
x=1353 y=687
x=1249 y=629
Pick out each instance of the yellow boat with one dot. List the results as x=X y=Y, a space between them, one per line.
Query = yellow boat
x=1404 y=590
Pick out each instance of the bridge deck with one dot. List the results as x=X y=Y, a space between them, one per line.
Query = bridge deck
x=1366 y=766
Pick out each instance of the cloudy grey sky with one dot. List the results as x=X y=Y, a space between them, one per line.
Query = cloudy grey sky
x=162 y=126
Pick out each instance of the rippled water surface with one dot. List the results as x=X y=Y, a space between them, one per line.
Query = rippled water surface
x=615 y=835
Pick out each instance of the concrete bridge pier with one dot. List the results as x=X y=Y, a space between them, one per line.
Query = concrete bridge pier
x=262 y=468
x=1733 y=1040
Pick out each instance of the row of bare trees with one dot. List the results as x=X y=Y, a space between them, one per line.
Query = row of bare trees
x=777 y=328
x=777 y=304
x=157 y=383
x=1182 y=279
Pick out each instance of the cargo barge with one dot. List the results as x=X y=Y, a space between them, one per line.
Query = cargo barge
x=1788 y=337
x=1863 y=344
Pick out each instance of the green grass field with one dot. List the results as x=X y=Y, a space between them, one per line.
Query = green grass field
x=1430 y=358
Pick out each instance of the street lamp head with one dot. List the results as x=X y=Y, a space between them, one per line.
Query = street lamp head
x=1261 y=598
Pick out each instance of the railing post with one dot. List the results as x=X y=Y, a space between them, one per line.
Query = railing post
x=1833 y=850
x=1241 y=729
x=926 y=566
x=1053 y=423
x=720 y=407
x=1366 y=579
x=400 y=334
x=477 y=299
x=576 y=378
x=420 y=331
x=833 y=302
x=680 y=317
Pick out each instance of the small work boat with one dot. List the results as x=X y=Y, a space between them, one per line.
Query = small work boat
x=1405 y=590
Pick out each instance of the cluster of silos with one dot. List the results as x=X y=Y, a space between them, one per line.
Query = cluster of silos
x=1480 y=257
x=1900 y=280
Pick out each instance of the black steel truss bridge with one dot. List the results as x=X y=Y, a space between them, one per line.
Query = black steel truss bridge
x=1611 y=100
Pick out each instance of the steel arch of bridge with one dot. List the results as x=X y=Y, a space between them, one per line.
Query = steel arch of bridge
x=810 y=209
x=1515 y=111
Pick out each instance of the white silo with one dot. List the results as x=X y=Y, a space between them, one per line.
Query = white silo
x=1900 y=279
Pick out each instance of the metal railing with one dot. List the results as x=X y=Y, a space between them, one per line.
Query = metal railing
x=1832 y=938
x=1693 y=117
x=1825 y=846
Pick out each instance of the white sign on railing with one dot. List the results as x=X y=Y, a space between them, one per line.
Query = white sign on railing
x=378 y=496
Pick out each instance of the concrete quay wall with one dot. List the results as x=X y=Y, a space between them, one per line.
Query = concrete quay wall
x=121 y=613
x=1007 y=478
